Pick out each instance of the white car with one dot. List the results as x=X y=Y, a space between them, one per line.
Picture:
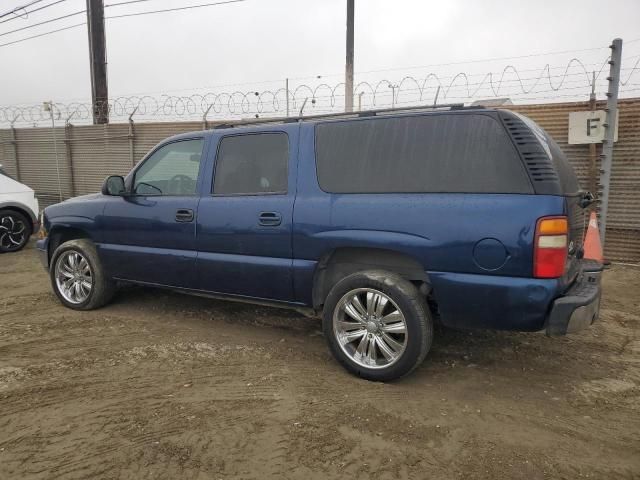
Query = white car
x=18 y=213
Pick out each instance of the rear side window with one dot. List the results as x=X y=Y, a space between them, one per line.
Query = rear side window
x=252 y=164
x=419 y=154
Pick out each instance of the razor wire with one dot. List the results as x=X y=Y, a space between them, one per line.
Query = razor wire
x=409 y=89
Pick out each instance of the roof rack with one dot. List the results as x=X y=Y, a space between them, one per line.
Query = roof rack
x=360 y=114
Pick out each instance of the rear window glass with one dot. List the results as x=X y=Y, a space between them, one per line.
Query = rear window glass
x=419 y=154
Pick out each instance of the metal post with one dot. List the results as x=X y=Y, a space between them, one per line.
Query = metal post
x=131 y=136
x=610 y=126
x=435 y=99
x=205 y=123
x=593 y=167
x=393 y=94
x=14 y=141
x=286 y=91
x=304 y=104
x=69 y=155
x=98 y=61
x=49 y=106
x=348 y=74
x=360 y=101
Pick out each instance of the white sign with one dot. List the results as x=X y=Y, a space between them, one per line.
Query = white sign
x=588 y=127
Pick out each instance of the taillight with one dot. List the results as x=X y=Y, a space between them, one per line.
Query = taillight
x=550 y=248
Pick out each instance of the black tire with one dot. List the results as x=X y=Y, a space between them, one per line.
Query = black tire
x=411 y=304
x=103 y=287
x=15 y=231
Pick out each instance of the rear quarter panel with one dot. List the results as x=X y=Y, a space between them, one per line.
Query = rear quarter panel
x=486 y=237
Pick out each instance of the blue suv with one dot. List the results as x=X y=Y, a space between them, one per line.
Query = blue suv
x=384 y=221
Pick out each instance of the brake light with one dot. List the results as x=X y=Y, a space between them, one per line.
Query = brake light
x=550 y=247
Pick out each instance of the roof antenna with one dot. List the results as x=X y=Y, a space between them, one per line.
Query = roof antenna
x=303 y=105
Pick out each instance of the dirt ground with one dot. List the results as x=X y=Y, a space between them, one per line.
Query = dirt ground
x=166 y=386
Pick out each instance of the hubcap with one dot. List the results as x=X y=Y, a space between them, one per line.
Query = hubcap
x=74 y=278
x=370 y=328
x=12 y=232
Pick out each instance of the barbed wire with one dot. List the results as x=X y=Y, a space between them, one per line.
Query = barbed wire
x=632 y=70
x=323 y=96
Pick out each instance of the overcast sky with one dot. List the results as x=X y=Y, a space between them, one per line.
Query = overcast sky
x=267 y=40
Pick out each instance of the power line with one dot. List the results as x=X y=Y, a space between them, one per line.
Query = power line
x=26 y=13
x=125 y=3
x=32 y=11
x=542 y=54
x=43 y=34
x=107 y=18
x=173 y=9
x=17 y=9
x=240 y=1
x=43 y=22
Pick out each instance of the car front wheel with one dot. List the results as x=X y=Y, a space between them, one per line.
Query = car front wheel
x=377 y=325
x=78 y=278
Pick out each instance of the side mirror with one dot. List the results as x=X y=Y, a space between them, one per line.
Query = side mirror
x=113 y=185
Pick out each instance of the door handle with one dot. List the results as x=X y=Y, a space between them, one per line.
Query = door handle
x=184 y=215
x=270 y=219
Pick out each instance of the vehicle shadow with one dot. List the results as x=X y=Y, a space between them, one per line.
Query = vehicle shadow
x=449 y=345
x=207 y=308
x=493 y=355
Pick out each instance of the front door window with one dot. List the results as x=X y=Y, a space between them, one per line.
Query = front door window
x=171 y=170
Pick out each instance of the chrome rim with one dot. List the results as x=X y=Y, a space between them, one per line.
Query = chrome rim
x=73 y=276
x=370 y=328
x=12 y=232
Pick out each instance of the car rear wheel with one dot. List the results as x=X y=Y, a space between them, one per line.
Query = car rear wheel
x=15 y=230
x=78 y=278
x=377 y=325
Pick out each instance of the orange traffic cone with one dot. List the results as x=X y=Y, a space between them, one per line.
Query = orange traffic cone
x=592 y=245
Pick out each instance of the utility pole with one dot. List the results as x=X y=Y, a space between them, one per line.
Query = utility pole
x=348 y=74
x=610 y=128
x=98 y=61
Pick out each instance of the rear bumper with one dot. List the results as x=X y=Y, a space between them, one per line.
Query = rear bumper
x=579 y=307
x=477 y=301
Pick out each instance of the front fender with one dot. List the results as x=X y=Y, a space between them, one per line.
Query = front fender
x=85 y=225
x=62 y=229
